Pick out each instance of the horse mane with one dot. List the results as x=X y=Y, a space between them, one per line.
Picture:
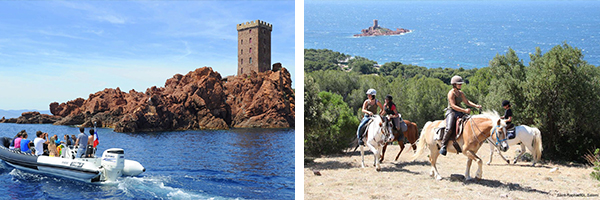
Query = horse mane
x=492 y=115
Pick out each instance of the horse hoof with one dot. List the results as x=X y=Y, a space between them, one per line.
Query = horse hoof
x=507 y=162
x=438 y=178
x=378 y=169
x=488 y=163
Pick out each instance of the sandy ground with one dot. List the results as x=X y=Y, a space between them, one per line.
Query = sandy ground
x=343 y=178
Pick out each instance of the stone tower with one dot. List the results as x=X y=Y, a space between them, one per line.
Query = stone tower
x=254 y=47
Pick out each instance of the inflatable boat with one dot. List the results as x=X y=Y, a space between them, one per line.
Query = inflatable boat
x=102 y=170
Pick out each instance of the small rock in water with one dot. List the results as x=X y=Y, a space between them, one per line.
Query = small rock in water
x=457 y=177
x=554 y=170
x=317 y=172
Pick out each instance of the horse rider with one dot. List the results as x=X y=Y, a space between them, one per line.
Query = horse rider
x=455 y=96
x=369 y=108
x=508 y=118
x=391 y=112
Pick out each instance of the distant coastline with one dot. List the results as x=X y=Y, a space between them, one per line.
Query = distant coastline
x=16 y=113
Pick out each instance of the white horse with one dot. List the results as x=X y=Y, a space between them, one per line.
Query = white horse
x=526 y=136
x=378 y=134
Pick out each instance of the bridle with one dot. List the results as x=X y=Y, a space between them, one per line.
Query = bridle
x=498 y=140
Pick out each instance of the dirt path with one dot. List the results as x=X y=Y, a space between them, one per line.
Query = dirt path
x=343 y=178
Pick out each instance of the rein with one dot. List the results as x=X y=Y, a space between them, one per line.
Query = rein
x=473 y=130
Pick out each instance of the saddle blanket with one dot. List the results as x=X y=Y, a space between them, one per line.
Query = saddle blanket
x=439 y=131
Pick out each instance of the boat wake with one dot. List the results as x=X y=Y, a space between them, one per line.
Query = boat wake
x=158 y=187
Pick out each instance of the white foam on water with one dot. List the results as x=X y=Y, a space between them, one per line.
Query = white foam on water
x=155 y=187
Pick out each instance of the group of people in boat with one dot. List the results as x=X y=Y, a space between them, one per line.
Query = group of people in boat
x=453 y=111
x=53 y=146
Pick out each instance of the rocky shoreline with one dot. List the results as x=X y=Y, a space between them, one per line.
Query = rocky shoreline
x=376 y=30
x=201 y=99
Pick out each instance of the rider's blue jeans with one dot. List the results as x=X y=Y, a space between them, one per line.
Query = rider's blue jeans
x=364 y=121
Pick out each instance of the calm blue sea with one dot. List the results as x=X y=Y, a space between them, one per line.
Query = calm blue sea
x=232 y=164
x=453 y=34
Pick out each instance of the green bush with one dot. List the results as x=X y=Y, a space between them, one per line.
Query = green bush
x=329 y=124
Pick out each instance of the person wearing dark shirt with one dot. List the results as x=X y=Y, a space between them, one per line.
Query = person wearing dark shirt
x=508 y=118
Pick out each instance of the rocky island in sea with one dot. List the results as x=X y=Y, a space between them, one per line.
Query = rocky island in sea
x=376 y=30
x=201 y=99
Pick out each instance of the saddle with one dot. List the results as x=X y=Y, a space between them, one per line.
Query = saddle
x=460 y=122
x=510 y=133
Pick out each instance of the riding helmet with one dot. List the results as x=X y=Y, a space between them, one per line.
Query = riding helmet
x=505 y=103
x=372 y=92
x=389 y=97
x=456 y=80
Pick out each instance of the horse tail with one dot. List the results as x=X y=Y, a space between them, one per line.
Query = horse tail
x=537 y=144
x=421 y=142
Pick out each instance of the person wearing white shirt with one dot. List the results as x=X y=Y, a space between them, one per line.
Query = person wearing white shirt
x=40 y=140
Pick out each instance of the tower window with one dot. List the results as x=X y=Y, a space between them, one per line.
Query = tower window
x=242 y=61
x=250 y=50
x=242 y=52
x=250 y=31
x=250 y=41
x=250 y=61
x=241 y=41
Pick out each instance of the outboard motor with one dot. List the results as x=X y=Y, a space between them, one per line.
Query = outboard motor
x=133 y=168
x=113 y=162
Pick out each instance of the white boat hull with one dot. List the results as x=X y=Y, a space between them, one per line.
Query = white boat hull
x=102 y=170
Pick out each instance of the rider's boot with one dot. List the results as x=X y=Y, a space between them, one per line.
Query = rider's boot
x=445 y=140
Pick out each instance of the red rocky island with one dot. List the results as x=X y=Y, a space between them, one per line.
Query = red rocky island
x=201 y=99
x=376 y=30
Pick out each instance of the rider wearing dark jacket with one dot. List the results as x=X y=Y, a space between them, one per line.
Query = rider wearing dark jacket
x=455 y=96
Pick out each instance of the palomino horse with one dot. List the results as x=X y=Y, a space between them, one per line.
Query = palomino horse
x=410 y=134
x=475 y=130
x=526 y=136
x=378 y=134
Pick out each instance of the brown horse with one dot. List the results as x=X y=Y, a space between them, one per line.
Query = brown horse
x=475 y=131
x=410 y=134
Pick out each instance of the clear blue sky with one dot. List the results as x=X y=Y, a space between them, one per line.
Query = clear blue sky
x=56 y=51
